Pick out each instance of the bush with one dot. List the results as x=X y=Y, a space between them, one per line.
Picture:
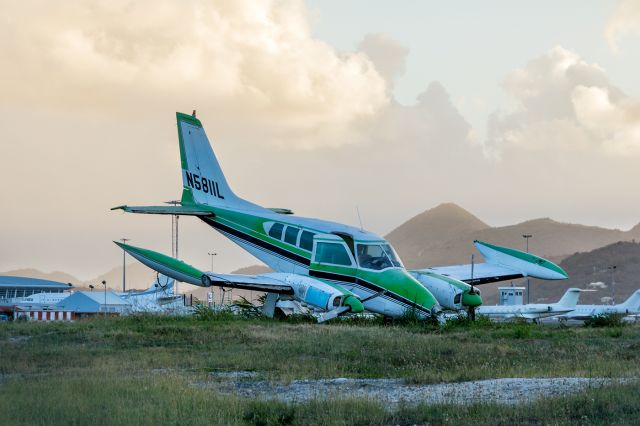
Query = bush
x=605 y=320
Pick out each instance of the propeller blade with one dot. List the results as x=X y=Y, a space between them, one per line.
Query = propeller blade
x=334 y=313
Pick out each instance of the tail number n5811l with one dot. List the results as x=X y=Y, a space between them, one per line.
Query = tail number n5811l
x=201 y=183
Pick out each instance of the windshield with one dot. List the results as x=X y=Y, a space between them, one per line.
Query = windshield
x=377 y=256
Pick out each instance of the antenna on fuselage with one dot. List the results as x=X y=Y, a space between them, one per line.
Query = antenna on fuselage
x=359 y=218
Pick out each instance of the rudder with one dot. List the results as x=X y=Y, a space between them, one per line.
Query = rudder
x=203 y=181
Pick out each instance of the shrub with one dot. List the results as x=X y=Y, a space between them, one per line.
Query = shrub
x=605 y=320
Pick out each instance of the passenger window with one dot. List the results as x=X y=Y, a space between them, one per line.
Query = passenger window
x=276 y=231
x=332 y=253
x=306 y=240
x=291 y=235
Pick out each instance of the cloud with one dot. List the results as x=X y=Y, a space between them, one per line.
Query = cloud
x=623 y=21
x=255 y=59
x=564 y=104
x=388 y=55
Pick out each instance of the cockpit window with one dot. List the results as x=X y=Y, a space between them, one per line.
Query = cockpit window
x=332 y=253
x=276 y=231
x=377 y=256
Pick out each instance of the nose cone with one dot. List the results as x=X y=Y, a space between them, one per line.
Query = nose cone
x=353 y=303
x=471 y=300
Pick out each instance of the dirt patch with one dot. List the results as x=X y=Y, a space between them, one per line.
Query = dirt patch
x=394 y=391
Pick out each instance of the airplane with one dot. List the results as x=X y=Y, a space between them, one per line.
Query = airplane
x=334 y=268
x=629 y=307
x=158 y=297
x=533 y=311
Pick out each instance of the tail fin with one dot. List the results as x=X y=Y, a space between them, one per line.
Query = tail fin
x=633 y=302
x=570 y=298
x=202 y=179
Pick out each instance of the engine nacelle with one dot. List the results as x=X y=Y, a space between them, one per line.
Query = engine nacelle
x=447 y=291
x=317 y=293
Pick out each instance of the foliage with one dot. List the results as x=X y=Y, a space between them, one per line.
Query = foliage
x=605 y=320
x=142 y=369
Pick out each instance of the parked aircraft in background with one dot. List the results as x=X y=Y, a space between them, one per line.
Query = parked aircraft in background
x=629 y=307
x=158 y=297
x=533 y=311
x=331 y=267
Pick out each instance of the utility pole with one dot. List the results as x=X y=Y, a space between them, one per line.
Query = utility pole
x=526 y=238
x=613 y=283
x=124 y=267
x=104 y=308
x=174 y=237
x=212 y=254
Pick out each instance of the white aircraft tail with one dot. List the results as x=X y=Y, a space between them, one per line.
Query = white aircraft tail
x=202 y=179
x=633 y=302
x=570 y=298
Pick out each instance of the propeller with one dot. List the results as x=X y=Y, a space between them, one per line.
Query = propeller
x=334 y=313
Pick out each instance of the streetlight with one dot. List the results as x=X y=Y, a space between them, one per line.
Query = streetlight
x=526 y=238
x=212 y=254
x=613 y=283
x=104 y=308
x=124 y=268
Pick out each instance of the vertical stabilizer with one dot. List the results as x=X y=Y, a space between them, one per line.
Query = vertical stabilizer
x=570 y=298
x=202 y=179
x=632 y=304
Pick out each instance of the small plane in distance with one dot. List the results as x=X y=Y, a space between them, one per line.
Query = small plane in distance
x=333 y=268
x=631 y=306
x=533 y=311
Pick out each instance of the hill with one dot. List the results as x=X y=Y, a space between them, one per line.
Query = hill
x=444 y=236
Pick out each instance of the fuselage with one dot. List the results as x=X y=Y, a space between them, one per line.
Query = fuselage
x=531 y=311
x=588 y=311
x=360 y=261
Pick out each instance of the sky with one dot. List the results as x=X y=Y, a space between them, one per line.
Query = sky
x=513 y=110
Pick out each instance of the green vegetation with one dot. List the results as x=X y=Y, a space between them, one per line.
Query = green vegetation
x=142 y=369
x=605 y=320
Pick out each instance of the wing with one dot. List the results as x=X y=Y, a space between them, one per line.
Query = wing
x=181 y=271
x=501 y=264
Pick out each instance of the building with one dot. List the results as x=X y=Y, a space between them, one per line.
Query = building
x=31 y=314
x=90 y=302
x=510 y=296
x=14 y=287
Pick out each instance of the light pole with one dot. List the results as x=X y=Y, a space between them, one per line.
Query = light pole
x=212 y=254
x=174 y=237
x=104 y=308
x=526 y=238
x=613 y=283
x=124 y=268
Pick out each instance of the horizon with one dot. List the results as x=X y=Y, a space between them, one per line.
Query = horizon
x=366 y=105
x=117 y=268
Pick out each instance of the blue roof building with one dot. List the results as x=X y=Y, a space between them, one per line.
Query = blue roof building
x=12 y=287
x=93 y=302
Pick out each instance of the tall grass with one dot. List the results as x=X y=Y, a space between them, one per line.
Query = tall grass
x=139 y=369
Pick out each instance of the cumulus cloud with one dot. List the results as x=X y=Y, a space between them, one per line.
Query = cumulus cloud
x=625 y=20
x=257 y=59
x=564 y=103
x=387 y=54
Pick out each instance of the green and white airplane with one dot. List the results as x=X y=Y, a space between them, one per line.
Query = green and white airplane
x=330 y=267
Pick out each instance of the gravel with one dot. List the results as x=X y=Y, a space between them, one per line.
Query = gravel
x=394 y=391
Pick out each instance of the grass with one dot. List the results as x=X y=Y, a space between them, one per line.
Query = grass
x=141 y=369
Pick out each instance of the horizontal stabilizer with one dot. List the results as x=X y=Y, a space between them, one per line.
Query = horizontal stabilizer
x=174 y=210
